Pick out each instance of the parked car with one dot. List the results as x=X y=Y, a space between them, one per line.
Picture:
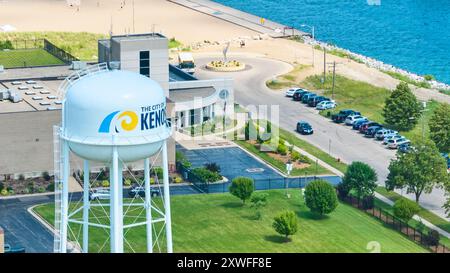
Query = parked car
x=99 y=194
x=325 y=105
x=290 y=92
x=343 y=114
x=394 y=143
x=386 y=139
x=299 y=93
x=446 y=156
x=17 y=249
x=405 y=147
x=371 y=131
x=381 y=134
x=359 y=122
x=306 y=97
x=316 y=100
x=352 y=118
x=140 y=191
x=304 y=128
x=363 y=128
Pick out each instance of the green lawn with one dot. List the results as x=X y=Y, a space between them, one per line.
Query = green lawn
x=219 y=223
x=27 y=57
x=82 y=45
x=281 y=166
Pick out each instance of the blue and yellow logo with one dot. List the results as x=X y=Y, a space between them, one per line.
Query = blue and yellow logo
x=123 y=121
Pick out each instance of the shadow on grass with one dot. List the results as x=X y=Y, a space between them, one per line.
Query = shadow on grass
x=276 y=239
x=232 y=205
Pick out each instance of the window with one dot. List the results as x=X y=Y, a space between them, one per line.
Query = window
x=144 y=63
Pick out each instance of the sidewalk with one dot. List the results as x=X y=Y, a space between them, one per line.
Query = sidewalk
x=377 y=195
x=243 y=19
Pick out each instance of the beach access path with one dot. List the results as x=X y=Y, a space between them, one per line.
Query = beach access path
x=243 y=19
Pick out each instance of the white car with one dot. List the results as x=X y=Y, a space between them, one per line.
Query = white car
x=99 y=194
x=387 y=138
x=290 y=92
x=325 y=105
x=394 y=143
x=382 y=134
x=352 y=119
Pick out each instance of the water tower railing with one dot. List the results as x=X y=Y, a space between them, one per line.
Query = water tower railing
x=76 y=76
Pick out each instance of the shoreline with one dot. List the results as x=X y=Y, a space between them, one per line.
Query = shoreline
x=220 y=10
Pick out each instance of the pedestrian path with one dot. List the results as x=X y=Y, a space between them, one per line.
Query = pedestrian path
x=249 y=21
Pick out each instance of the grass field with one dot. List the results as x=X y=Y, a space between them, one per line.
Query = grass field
x=27 y=57
x=219 y=223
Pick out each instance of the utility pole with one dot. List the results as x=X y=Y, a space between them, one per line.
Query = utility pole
x=334 y=63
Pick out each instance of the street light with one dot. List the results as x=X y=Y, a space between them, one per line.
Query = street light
x=313 y=37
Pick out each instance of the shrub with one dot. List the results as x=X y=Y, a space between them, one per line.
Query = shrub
x=213 y=167
x=242 y=187
x=2 y=186
x=22 y=177
x=206 y=175
x=368 y=202
x=158 y=172
x=46 y=176
x=6 y=45
x=429 y=77
x=282 y=149
x=320 y=197
x=304 y=159
x=41 y=189
x=432 y=238
x=105 y=183
x=4 y=192
x=405 y=209
x=343 y=190
x=258 y=200
x=11 y=192
x=181 y=158
x=178 y=179
x=286 y=223
x=295 y=155
x=127 y=182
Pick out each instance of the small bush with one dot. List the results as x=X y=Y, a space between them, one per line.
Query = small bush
x=105 y=183
x=320 y=197
x=41 y=189
x=214 y=167
x=178 y=179
x=286 y=223
x=4 y=192
x=295 y=155
x=343 y=190
x=429 y=77
x=127 y=182
x=51 y=187
x=11 y=192
x=46 y=176
x=432 y=238
x=206 y=175
x=282 y=149
x=304 y=159
x=158 y=172
x=242 y=188
x=405 y=209
x=22 y=177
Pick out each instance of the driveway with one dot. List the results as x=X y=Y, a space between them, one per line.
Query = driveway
x=339 y=140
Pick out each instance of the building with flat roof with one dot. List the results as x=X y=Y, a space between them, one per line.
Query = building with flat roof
x=27 y=125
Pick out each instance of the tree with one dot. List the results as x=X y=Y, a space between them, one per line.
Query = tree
x=405 y=209
x=440 y=127
x=242 y=188
x=286 y=224
x=361 y=178
x=320 y=197
x=419 y=171
x=401 y=109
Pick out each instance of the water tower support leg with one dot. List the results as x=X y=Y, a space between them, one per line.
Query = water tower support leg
x=86 y=204
x=116 y=212
x=65 y=197
x=148 y=207
x=165 y=168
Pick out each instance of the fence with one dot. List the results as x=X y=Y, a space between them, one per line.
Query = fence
x=58 y=52
x=26 y=43
x=395 y=223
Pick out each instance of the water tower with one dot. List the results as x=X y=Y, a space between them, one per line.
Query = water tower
x=111 y=117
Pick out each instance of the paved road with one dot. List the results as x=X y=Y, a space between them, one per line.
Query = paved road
x=339 y=140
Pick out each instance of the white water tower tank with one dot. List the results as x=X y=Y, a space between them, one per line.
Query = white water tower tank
x=114 y=108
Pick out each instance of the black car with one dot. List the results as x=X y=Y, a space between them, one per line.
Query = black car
x=299 y=94
x=371 y=131
x=306 y=97
x=140 y=191
x=304 y=128
x=363 y=128
x=342 y=115
x=312 y=102
x=404 y=148
x=359 y=123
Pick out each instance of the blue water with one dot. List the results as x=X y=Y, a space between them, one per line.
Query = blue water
x=411 y=34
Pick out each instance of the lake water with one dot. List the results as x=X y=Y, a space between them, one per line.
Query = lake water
x=411 y=34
